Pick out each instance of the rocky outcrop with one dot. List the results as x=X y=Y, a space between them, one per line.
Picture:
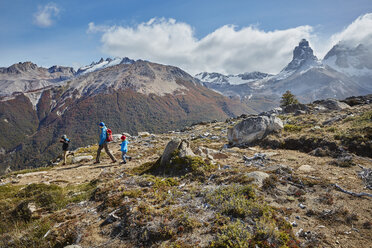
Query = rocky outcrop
x=332 y=104
x=358 y=100
x=253 y=129
x=302 y=54
x=293 y=108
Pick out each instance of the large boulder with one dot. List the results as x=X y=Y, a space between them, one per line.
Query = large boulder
x=171 y=147
x=332 y=104
x=293 y=108
x=182 y=147
x=253 y=129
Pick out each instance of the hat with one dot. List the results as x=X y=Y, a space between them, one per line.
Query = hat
x=64 y=136
x=102 y=124
x=123 y=137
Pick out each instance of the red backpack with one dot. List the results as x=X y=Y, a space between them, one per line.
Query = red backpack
x=109 y=135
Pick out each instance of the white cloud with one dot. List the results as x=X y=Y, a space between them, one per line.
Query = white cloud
x=45 y=14
x=228 y=49
x=359 y=31
x=92 y=28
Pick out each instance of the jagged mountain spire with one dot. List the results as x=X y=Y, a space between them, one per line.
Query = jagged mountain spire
x=302 y=54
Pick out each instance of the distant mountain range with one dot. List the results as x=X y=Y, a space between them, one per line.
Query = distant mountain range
x=344 y=71
x=38 y=105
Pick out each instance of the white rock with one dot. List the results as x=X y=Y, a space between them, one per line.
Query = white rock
x=253 y=129
x=306 y=168
x=82 y=159
x=143 y=134
x=258 y=177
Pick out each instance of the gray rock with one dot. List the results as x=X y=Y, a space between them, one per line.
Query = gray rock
x=299 y=112
x=185 y=150
x=292 y=108
x=334 y=119
x=332 y=104
x=258 y=177
x=253 y=129
x=302 y=206
x=81 y=159
x=358 y=100
x=275 y=111
x=73 y=246
x=171 y=147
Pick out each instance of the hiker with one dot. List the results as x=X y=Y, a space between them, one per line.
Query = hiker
x=124 y=149
x=65 y=142
x=103 y=144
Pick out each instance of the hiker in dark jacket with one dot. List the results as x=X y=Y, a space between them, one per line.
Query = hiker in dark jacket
x=65 y=142
x=103 y=144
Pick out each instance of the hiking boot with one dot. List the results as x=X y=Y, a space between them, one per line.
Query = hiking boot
x=123 y=162
x=130 y=158
x=113 y=162
x=97 y=162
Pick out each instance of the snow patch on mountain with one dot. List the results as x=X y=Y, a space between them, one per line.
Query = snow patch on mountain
x=94 y=66
x=34 y=97
x=351 y=70
x=220 y=79
x=141 y=76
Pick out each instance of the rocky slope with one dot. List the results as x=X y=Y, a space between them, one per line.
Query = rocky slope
x=138 y=96
x=283 y=190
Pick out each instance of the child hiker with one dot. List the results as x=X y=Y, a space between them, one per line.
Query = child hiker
x=124 y=149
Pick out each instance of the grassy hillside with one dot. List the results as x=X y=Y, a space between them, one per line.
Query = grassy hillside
x=214 y=200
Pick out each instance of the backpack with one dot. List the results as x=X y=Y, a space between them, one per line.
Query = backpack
x=109 y=135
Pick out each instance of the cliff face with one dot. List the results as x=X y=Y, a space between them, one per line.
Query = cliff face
x=284 y=190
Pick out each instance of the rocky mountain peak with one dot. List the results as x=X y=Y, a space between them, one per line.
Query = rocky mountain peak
x=21 y=67
x=253 y=75
x=63 y=69
x=302 y=54
x=342 y=57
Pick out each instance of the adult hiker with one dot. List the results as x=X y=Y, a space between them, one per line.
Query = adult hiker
x=65 y=141
x=124 y=149
x=103 y=144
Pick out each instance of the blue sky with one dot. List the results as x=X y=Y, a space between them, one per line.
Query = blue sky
x=216 y=35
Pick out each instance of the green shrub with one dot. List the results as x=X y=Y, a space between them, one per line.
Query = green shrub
x=292 y=128
x=288 y=98
x=235 y=234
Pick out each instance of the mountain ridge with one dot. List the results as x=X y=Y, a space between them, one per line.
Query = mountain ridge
x=301 y=73
x=140 y=96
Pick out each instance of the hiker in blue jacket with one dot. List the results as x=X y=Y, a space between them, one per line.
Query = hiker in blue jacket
x=124 y=149
x=103 y=144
